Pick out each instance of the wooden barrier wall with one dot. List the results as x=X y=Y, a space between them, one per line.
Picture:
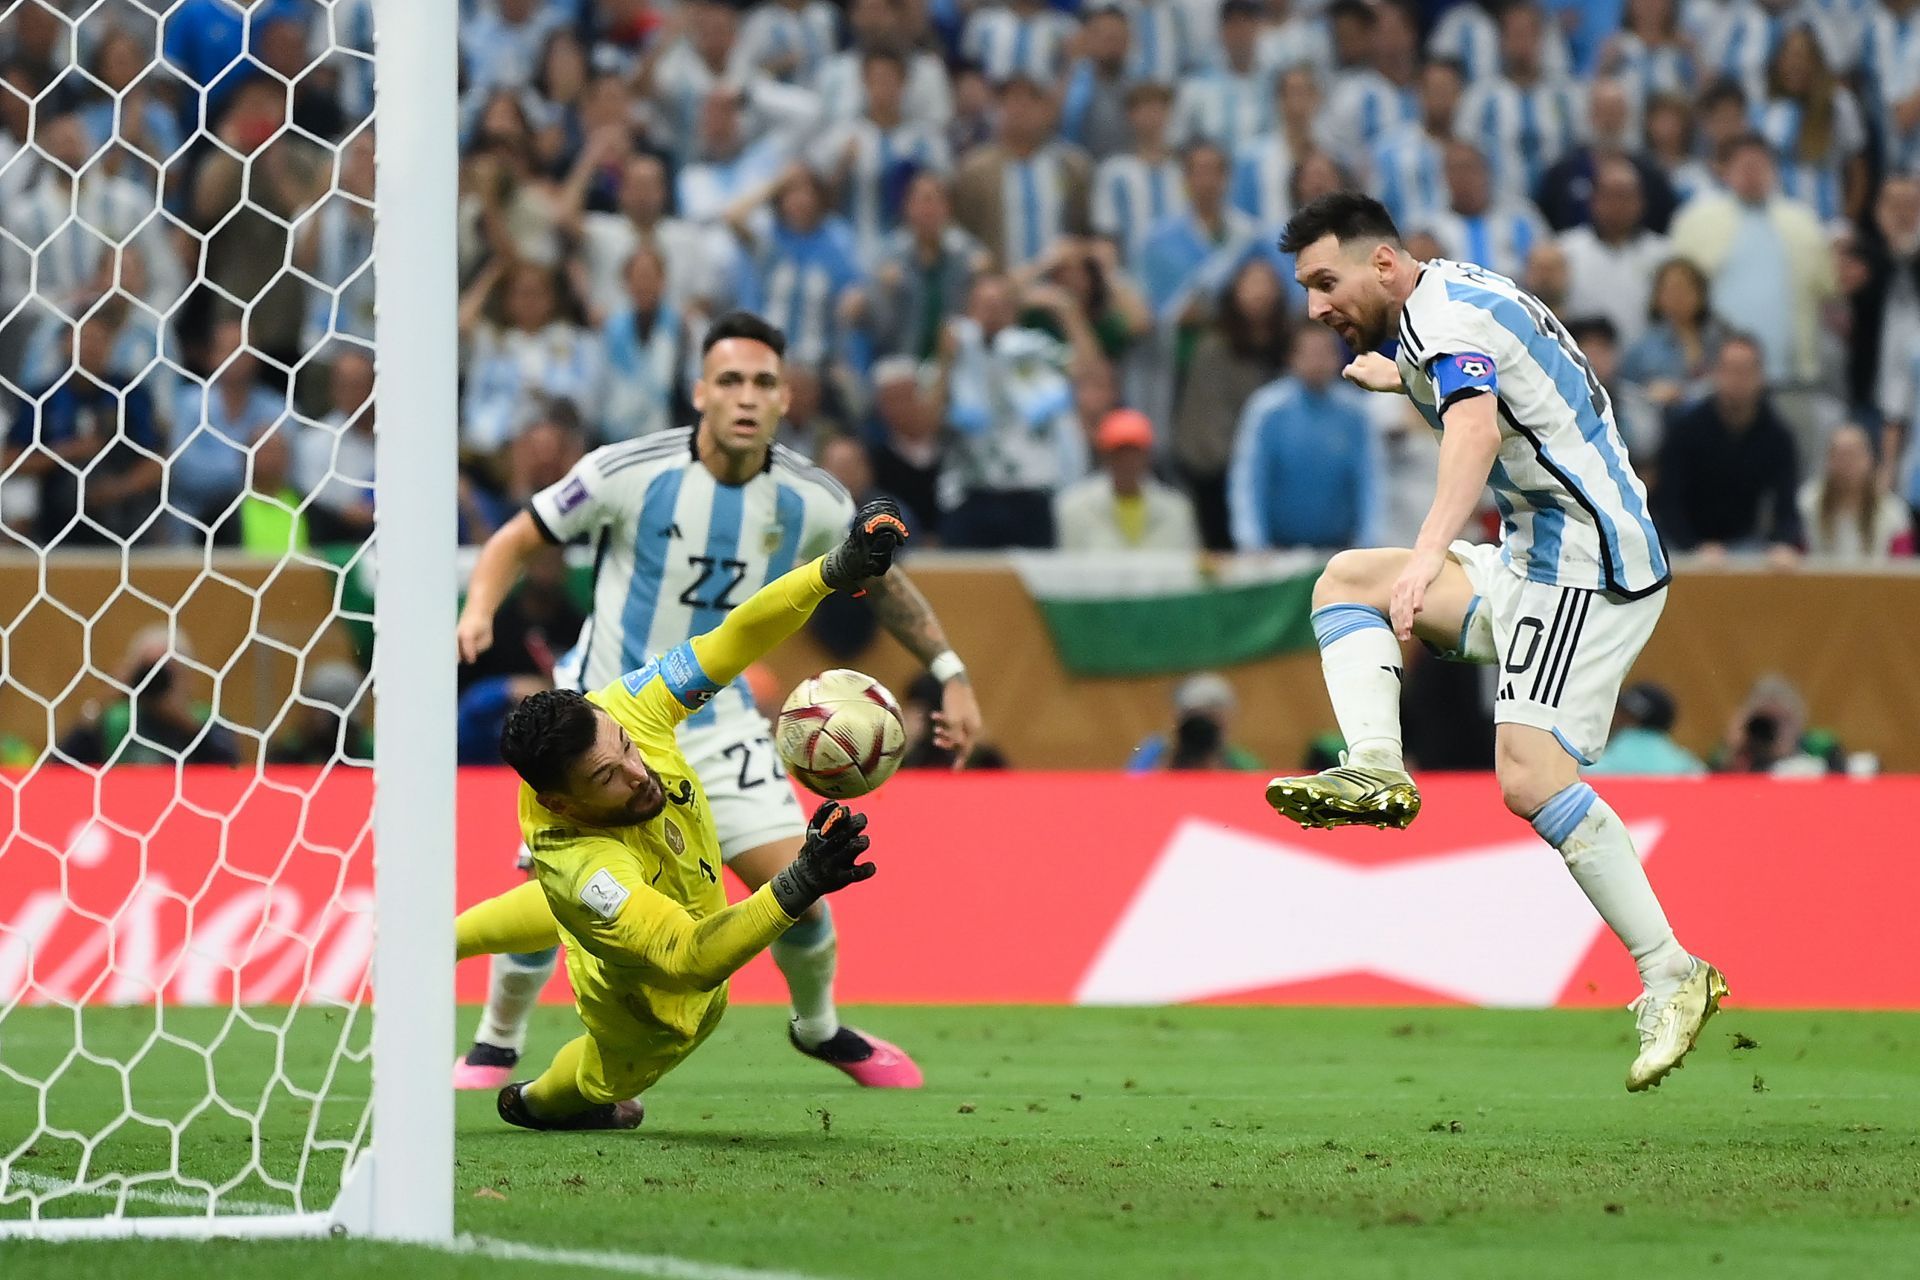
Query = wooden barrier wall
x=246 y=622
x=1852 y=645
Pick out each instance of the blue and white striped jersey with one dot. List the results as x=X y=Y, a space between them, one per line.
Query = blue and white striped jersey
x=1005 y=44
x=674 y=549
x=1574 y=513
x=1130 y=198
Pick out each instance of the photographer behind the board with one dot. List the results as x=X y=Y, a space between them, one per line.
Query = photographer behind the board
x=158 y=724
x=1202 y=733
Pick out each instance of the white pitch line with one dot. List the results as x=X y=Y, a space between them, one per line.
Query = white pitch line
x=136 y=1194
x=660 y=1266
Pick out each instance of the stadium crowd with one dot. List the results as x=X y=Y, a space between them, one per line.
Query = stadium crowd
x=1024 y=253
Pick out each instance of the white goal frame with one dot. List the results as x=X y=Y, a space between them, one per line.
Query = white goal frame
x=401 y=1186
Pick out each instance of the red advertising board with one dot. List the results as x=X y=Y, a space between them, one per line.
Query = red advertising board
x=1023 y=887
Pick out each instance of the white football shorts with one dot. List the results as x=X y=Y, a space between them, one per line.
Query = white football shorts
x=1563 y=652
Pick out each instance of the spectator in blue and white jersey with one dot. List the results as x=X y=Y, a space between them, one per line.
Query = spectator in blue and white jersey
x=686 y=63
x=1264 y=170
x=700 y=260
x=1093 y=110
x=1016 y=439
x=1290 y=38
x=523 y=346
x=1370 y=100
x=1742 y=42
x=1231 y=102
x=806 y=267
x=215 y=420
x=1651 y=53
x=1479 y=227
x=877 y=24
x=1890 y=78
x=1138 y=188
x=1191 y=256
x=1527 y=118
x=922 y=276
x=1020 y=37
x=1306 y=458
x=645 y=343
x=1164 y=45
x=1469 y=34
x=1025 y=189
x=732 y=163
x=1407 y=163
x=130 y=111
x=1815 y=127
x=500 y=45
x=790 y=39
x=870 y=159
x=333 y=244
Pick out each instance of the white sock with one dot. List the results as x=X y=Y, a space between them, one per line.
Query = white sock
x=1361 y=660
x=514 y=984
x=807 y=960
x=1599 y=853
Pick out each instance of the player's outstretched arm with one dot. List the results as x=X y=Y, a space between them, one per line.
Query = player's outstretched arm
x=680 y=953
x=494 y=574
x=783 y=606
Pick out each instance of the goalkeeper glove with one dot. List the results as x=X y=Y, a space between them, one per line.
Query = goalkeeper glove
x=867 y=552
x=826 y=862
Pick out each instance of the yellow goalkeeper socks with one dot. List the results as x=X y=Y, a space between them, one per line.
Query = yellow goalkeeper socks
x=517 y=920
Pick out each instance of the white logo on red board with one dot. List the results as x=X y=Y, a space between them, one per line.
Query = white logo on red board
x=1226 y=911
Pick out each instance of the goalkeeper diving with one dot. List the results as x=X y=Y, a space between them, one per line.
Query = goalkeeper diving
x=627 y=862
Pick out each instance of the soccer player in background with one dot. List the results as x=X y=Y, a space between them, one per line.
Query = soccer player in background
x=626 y=854
x=1564 y=603
x=686 y=523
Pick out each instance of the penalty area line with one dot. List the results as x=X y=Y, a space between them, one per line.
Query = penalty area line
x=660 y=1266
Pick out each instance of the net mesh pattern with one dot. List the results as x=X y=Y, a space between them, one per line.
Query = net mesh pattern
x=186 y=339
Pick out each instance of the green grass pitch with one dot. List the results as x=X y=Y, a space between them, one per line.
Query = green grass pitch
x=1062 y=1143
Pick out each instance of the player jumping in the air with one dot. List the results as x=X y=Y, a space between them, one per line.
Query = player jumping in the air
x=626 y=853
x=1564 y=603
x=686 y=524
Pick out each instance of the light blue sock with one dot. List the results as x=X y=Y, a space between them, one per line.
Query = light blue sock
x=807 y=955
x=1361 y=662
x=1599 y=852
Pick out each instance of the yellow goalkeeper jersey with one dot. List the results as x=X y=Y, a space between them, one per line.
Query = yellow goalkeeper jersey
x=630 y=900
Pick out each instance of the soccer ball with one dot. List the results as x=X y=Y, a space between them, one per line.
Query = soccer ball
x=841 y=734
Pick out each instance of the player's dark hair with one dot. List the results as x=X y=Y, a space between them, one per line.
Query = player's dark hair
x=744 y=324
x=545 y=736
x=1344 y=215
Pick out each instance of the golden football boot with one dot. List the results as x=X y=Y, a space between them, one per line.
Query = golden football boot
x=1347 y=795
x=1670 y=1026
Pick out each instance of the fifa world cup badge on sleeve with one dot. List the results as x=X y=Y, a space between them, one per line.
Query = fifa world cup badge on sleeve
x=603 y=895
x=572 y=494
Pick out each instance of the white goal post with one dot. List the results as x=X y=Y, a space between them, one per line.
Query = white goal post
x=387 y=1169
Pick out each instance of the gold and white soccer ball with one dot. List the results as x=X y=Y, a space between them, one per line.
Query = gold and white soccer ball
x=840 y=734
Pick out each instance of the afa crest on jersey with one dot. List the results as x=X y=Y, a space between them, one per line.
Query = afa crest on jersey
x=771 y=539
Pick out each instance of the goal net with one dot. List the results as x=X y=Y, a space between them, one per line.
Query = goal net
x=225 y=887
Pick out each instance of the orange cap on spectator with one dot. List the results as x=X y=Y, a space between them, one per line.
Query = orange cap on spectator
x=1124 y=428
